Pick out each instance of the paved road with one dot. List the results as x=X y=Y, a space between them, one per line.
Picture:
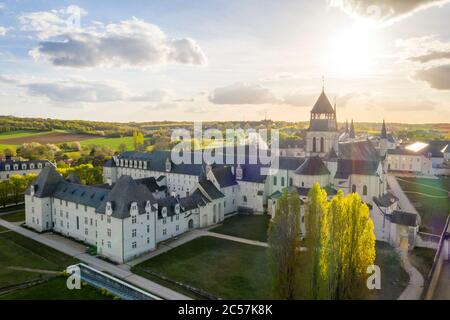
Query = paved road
x=99 y=264
x=415 y=285
x=404 y=203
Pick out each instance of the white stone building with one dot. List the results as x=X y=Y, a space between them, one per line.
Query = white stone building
x=10 y=167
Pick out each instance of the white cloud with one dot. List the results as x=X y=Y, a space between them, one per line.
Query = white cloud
x=384 y=10
x=299 y=99
x=437 y=77
x=151 y=96
x=3 y=31
x=129 y=43
x=242 y=93
x=47 y=24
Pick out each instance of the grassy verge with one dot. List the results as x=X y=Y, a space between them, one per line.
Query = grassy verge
x=422 y=259
x=55 y=289
x=430 y=199
x=14 y=217
x=253 y=227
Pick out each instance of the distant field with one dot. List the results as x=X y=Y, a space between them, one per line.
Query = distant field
x=49 y=137
x=14 y=139
x=112 y=143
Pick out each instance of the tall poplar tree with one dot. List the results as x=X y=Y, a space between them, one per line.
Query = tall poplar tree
x=284 y=246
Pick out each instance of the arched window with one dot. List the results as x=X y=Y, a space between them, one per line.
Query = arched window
x=314 y=144
x=282 y=181
x=322 y=145
x=365 y=191
x=354 y=188
x=291 y=182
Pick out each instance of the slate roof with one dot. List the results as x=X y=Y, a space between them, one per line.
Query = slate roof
x=304 y=191
x=187 y=203
x=224 y=176
x=252 y=173
x=290 y=163
x=211 y=189
x=151 y=184
x=169 y=203
x=81 y=194
x=199 y=198
x=322 y=104
x=123 y=194
x=385 y=200
x=11 y=163
x=331 y=155
x=313 y=166
x=358 y=150
x=46 y=182
x=434 y=149
x=322 y=125
x=346 y=167
x=403 y=218
x=73 y=178
x=110 y=163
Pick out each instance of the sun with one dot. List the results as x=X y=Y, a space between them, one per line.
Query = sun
x=353 y=51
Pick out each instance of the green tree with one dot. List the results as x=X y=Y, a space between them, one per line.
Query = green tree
x=5 y=189
x=284 y=246
x=316 y=207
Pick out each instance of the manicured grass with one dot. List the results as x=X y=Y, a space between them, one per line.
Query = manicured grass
x=112 y=143
x=55 y=289
x=226 y=269
x=394 y=278
x=422 y=259
x=14 y=217
x=433 y=210
x=253 y=227
x=19 y=251
x=2 y=228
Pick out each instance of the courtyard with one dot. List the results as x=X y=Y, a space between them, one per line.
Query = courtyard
x=252 y=227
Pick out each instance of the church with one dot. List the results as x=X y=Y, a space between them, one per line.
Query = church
x=147 y=198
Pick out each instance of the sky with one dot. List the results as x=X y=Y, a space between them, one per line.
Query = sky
x=225 y=60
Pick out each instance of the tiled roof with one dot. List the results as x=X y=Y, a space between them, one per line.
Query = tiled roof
x=385 y=200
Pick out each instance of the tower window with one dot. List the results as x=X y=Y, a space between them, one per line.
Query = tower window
x=314 y=142
x=322 y=145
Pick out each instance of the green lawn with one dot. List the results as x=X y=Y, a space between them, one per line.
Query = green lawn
x=226 y=269
x=112 y=143
x=21 y=133
x=394 y=278
x=2 y=228
x=422 y=259
x=432 y=203
x=14 y=217
x=19 y=251
x=55 y=289
x=253 y=227
x=232 y=270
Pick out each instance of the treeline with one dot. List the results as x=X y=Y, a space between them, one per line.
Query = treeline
x=13 y=189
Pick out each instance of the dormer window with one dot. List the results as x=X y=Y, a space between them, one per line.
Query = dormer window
x=24 y=166
x=148 y=207
x=177 y=209
x=109 y=208
x=134 y=209
x=40 y=165
x=7 y=167
x=16 y=166
x=31 y=166
x=239 y=172
x=164 y=212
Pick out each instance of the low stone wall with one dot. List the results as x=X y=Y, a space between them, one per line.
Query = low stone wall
x=427 y=240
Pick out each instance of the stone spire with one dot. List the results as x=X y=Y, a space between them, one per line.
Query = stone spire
x=352 y=131
x=383 y=131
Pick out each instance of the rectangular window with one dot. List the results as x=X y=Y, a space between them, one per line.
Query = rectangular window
x=148 y=240
x=133 y=233
x=133 y=220
x=164 y=221
x=134 y=245
x=109 y=233
x=164 y=232
x=109 y=244
x=148 y=216
x=85 y=220
x=177 y=228
x=148 y=229
x=86 y=231
x=108 y=220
